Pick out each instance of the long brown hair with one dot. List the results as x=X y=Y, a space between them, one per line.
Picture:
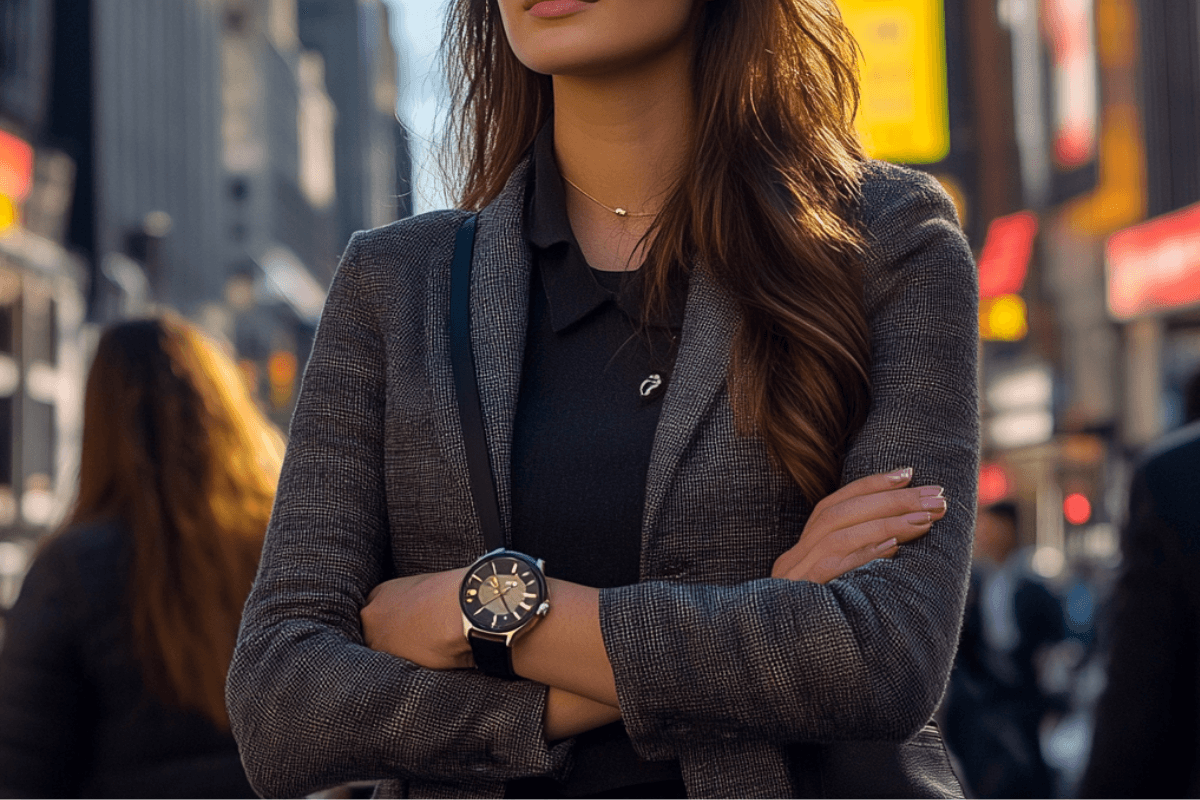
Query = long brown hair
x=175 y=450
x=766 y=202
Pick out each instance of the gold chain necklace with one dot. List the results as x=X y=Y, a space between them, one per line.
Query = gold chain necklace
x=620 y=212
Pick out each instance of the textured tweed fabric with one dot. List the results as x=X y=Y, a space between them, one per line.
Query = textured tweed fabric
x=750 y=682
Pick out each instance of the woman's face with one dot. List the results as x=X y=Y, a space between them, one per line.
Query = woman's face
x=594 y=37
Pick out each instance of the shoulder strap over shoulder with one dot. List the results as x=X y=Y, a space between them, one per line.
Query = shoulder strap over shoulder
x=470 y=414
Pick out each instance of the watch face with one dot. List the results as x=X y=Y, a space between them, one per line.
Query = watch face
x=502 y=593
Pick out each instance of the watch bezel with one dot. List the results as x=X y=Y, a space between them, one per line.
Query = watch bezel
x=516 y=624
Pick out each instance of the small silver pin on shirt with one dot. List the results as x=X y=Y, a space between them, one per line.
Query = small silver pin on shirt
x=651 y=385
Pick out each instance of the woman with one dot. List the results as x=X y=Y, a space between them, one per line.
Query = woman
x=696 y=310
x=113 y=668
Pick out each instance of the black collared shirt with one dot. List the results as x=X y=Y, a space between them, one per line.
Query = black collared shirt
x=581 y=447
x=583 y=430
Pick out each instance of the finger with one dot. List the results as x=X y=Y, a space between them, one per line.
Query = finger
x=888 y=503
x=910 y=527
x=864 y=536
x=879 y=482
x=866 y=555
x=869 y=534
x=831 y=568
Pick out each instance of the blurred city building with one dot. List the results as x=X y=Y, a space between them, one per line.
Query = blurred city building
x=156 y=130
x=370 y=147
x=277 y=124
x=198 y=154
x=43 y=289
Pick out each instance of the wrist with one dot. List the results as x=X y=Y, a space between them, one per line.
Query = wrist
x=501 y=597
x=460 y=645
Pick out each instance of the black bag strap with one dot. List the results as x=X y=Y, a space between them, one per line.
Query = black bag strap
x=462 y=360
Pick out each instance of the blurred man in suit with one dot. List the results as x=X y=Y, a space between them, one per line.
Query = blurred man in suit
x=1147 y=738
x=994 y=705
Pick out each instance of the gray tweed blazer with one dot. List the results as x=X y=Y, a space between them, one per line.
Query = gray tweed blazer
x=750 y=682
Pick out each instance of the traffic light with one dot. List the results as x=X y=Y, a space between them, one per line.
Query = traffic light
x=1077 y=509
x=1081 y=472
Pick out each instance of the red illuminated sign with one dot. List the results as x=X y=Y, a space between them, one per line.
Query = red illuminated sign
x=1067 y=26
x=1155 y=266
x=16 y=167
x=1007 y=249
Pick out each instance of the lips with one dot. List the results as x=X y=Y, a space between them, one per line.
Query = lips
x=528 y=4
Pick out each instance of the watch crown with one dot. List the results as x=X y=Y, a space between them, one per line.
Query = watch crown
x=542 y=609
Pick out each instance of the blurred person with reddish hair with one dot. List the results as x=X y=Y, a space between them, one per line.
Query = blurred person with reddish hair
x=113 y=666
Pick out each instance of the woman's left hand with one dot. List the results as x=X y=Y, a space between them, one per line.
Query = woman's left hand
x=417 y=618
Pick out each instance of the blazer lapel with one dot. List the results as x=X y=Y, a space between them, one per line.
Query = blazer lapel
x=500 y=271
x=710 y=319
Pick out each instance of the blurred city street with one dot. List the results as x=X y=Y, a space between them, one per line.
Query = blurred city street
x=214 y=157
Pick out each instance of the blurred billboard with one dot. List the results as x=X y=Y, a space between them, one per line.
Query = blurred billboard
x=903 y=114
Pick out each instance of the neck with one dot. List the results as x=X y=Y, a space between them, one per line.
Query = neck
x=623 y=137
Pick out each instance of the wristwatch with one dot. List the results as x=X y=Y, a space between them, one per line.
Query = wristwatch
x=501 y=596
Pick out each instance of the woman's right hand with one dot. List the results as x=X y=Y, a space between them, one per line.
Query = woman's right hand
x=864 y=520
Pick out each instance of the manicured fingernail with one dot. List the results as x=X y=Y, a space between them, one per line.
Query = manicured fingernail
x=933 y=503
x=888 y=545
x=931 y=491
x=901 y=475
x=918 y=518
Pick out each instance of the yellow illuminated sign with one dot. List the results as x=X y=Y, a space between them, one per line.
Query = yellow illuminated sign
x=8 y=212
x=1003 y=318
x=903 y=115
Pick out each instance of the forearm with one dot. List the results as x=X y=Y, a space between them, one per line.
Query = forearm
x=569 y=714
x=862 y=658
x=789 y=696
x=565 y=649
x=311 y=709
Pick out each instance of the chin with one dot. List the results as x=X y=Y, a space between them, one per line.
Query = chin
x=603 y=36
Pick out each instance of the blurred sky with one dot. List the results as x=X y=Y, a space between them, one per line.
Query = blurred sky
x=416 y=31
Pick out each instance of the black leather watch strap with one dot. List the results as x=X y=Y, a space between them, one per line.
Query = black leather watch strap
x=492 y=655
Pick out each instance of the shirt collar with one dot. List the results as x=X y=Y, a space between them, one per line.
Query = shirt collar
x=571 y=289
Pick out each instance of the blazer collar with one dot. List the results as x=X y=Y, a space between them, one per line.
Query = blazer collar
x=709 y=322
x=500 y=270
x=500 y=310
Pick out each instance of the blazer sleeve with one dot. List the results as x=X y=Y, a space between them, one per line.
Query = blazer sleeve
x=45 y=724
x=310 y=705
x=866 y=656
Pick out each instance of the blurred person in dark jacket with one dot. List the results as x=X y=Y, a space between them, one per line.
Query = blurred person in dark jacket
x=1147 y=736
x=113 y=666
x=995 y=705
